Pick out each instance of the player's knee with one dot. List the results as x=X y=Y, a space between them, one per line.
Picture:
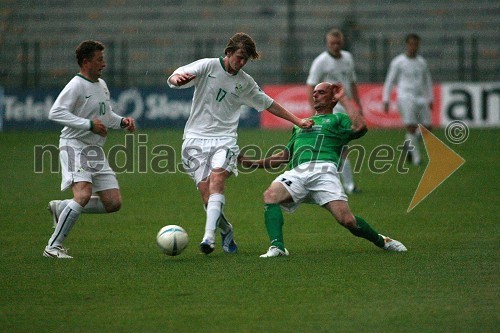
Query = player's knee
x=82 y=198
x=113 y=206
x=270 y=197
x=348 y=221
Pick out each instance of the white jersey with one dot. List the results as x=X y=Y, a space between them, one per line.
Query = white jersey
x=326 y=68
x=78 y=103
x=218 y=96
x=413 y=79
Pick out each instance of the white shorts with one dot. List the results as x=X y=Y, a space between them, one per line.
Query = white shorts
x=201 y=156
x=84 y=163
x=316 y=183
x=414 y=112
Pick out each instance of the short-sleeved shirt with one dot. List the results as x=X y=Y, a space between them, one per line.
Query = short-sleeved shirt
x=218 y=97
x=326 y=68
x=323 y=141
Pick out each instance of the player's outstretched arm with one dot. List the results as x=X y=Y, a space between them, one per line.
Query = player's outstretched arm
x=281 y=112
x=269 y=162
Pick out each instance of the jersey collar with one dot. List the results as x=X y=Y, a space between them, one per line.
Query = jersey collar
x=331 y=55
x=221 y=60
x=83 y=77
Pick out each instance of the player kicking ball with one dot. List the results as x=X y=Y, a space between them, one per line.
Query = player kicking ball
x=209 y=148
x=313 y=156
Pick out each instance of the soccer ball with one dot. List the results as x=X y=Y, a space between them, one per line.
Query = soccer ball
x=172 y=239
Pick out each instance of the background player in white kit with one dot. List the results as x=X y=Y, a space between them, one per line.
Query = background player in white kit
x=414 y=92
x=209 y=149
x=337 y=66
x=84 y=108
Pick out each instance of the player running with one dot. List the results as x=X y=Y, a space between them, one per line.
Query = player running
x=413 y=78
x=84 y=108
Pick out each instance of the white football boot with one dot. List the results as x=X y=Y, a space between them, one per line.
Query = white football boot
x=393 y=245
x=275 y=251
x=56 y=252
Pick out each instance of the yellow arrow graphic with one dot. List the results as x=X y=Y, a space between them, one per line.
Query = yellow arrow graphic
x=442 y=163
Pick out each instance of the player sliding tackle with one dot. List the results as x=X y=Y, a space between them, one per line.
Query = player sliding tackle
x=313 y=156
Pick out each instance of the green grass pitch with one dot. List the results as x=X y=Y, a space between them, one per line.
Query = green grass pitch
x=119 y=281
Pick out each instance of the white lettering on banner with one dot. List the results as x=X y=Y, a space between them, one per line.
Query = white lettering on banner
x=159 y=107
x=476 y=104
x=130 y=102
x=28 y=110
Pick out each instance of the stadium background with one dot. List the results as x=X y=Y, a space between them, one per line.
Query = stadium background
x=332 y=282
x=147 y=41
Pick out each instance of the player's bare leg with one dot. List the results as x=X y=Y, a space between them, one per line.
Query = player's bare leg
x=110 y=200
x=357 y=226
x=360 y=228
x=107 y=201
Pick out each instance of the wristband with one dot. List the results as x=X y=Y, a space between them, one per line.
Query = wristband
x=91 y=125
x=121 y=123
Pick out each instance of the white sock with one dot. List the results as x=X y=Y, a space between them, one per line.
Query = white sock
x=346 y=174
x=416 y=147
x=67 y=219
x=94 y=206
x=418 y=134
x=214 y=209
x=61 y=205
x=222 y=222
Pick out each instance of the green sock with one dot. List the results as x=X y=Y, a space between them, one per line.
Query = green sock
x=273 y=218
x=365 y=231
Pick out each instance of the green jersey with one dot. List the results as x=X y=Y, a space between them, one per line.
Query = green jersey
x=323 y=141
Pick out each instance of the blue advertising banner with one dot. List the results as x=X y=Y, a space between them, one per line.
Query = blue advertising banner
x=151 y=107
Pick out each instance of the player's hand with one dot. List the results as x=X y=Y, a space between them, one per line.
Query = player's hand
x=129 y=124
x=338 y=91
x=306 y=123
x=386 y=107
x=182 y=79
x=99 y=128
x=245 y=161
